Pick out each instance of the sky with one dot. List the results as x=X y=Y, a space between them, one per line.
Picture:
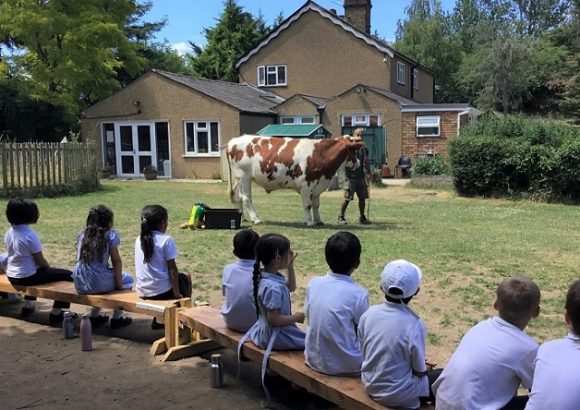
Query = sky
x=186 y=19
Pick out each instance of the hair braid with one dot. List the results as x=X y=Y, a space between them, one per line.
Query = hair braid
x=256 y=281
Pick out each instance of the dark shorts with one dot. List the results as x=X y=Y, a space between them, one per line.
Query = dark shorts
x=355 y=185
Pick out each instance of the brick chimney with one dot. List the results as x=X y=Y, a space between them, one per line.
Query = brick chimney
x=358 y=13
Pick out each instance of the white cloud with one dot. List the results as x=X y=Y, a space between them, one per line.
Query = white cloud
x=181 y=48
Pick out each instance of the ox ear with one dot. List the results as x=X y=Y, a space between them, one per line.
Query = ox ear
x=354 y=145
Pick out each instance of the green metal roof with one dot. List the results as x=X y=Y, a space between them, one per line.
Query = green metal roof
x=293 y=130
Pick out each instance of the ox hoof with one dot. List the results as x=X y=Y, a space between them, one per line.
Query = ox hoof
x=257 y=222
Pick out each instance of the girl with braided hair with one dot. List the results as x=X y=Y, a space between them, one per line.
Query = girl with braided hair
x=276 y=324
x=96 y=245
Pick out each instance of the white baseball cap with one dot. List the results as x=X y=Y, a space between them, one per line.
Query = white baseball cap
x=403 y=275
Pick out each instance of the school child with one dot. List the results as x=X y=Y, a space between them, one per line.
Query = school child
x=495 y=356
x=96 y=244
x=10 y=297
x=155 y=253
x=392 y=337
x=238 y=310
x=556 y=371
x=27 y=265
x=334 y=305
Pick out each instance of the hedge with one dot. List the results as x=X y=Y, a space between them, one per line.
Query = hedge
x=517 y=155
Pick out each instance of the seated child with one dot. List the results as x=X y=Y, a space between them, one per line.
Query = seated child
x=394 y=370
x=238 y=310
x=155 y=253
x=556 y=374
x=496 y=355
x=276 y=325
x=26 y=264
x=10 y=297
x=96 y=244
x=334 y=305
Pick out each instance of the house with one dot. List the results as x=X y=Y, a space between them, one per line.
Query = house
x=174 y=122
x=315 y=68
x=329 y=68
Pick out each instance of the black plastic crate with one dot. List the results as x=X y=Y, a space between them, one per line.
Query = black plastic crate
x=222 y=218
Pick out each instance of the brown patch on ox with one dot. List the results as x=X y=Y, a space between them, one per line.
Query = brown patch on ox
x=236 y=154
x=327 y=157
x=250 y=150
x=294 y=172
x=272 y=154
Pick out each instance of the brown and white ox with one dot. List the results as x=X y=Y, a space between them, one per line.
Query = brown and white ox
x=303 y=165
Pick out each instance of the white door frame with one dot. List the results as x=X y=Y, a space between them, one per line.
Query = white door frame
x=134 y=151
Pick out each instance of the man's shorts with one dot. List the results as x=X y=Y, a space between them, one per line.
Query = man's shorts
x=359 y=186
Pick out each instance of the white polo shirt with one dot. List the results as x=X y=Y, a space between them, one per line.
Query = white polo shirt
x=239 y=309
x=21 y=243
x=485 y=371
x=334 y=304
x=392 y=341
x=153 y=278
x=557 y=375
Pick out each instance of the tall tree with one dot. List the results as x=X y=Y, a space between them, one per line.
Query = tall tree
x=71 y=50
x=426 y=36
x=235 y=33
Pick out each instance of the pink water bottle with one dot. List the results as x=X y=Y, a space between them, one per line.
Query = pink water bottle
x=86 y=334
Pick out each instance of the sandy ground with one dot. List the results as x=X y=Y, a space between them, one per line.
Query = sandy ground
x=42 y=370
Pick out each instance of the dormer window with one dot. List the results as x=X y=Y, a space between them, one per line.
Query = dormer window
x=401 y=68
x=415 y=79
x=271 y=75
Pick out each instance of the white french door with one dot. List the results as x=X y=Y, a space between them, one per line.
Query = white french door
x=136 y=149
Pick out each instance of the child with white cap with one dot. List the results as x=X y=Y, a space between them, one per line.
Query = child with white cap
x=394 y=370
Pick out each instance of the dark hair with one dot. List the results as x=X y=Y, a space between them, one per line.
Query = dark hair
x=573 y=306
x=94 y=242
x=21 y=211
x=342 y=252
x=268 y=247
x=518 y=297
x=152 y=217
x=245 y=244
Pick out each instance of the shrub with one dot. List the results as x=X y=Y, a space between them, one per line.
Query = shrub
x=436 y=165
x=517 y=155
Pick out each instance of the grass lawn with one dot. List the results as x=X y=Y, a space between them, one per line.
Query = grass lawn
x=464 y=246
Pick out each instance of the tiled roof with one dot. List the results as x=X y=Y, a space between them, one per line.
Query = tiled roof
x=245 y=98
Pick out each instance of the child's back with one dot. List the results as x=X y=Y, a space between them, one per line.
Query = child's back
x=334 y=305
x=392 y=337
x=495 y=356
x=556 y=374
x=239 y=310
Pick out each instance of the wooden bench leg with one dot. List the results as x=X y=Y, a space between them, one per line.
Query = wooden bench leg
x=180 y=341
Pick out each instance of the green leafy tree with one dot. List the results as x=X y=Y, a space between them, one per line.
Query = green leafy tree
x=235 y=33
x=427 y=37
x=70 y=51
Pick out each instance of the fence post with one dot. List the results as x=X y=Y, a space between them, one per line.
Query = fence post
x=4 y=168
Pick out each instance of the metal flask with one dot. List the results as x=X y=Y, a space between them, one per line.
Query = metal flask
x=217 y=378
x=68 y=326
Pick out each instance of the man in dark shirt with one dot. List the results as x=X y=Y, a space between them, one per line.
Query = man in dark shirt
x=357 y=180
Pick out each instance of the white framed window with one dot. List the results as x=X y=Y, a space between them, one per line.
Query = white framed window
x=271 y=75
x=428 y=126
x=401 y=68
x=415 y=79
x=306 y=119
x=202 y=138
x=363 y=120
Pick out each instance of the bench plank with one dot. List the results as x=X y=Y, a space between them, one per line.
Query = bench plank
x=346 y=392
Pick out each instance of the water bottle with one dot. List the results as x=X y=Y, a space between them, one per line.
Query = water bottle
x=217 y=378
x=68 y=325
x=86 y=334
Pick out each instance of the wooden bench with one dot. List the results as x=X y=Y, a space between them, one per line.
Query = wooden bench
x=346 y=392
x=178 y=341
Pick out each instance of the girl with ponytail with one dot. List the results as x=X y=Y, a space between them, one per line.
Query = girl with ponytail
x=276 y=326
x=96 y=245
x=155 y=254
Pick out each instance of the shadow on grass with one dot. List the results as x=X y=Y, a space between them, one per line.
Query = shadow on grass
x=374 y=226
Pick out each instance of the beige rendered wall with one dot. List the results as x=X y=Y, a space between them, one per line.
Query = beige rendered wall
x=164 y=100
x=413 y=146
x=322 y=59
x=298 y=106
x=425 y=92
x=367 y=103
